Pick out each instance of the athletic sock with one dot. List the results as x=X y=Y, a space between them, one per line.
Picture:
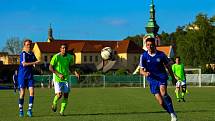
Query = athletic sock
x=55 y=100
x=31 y=101
x=168 y=102
x=63 y=104
x=177 y=94
x=21 y=102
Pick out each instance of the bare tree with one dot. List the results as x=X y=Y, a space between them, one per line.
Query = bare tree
x=13 y=46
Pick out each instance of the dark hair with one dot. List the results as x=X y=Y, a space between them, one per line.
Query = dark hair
x=63 y=44
x=178 y=57
x=26 y=40
x=150 y=40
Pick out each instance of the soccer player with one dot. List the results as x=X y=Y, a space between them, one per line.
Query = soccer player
x=179 y=73
x=152 y=66
x=25 y=76
x=15 y=81
x=60 y=65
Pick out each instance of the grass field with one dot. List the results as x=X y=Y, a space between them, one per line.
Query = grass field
x=111 y=104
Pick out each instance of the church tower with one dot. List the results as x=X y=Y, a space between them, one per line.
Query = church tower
x=50 y=37
x=151 y=28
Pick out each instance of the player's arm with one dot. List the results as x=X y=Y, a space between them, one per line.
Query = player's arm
x=72 y=67
x=52 y=69
x=144 y=72
x=168 y=64
x=173 y=70
x=184 y=72
x=142 y=65
x=24 y=63
x=14 y=79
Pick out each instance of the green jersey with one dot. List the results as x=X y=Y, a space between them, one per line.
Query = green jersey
x=61 y=64
x=178 y=70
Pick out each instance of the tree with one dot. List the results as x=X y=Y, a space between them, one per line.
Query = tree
x=138 y=39
x=195 y=43
x=13 y=46
x=165 y=38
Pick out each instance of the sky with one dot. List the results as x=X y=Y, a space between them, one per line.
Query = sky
x=93 y=19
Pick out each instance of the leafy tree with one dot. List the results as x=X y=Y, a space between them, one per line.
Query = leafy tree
x=165 y=38
x=138 y=39
x=13 y=46
x=195 y=44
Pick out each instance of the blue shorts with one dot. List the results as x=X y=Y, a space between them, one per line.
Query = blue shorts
x=155 y=85
x=23 y=83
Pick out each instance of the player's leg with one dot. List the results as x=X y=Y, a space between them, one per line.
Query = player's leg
x=168 y=101
x=14 y=87
x=177 y=91
x=183 y=88
x=21 y=101
x=58 y=95
x=154 y=88
x=31 y=97
x=64 y=103
x=21 y=83
x=65 y=90
x=159 y=98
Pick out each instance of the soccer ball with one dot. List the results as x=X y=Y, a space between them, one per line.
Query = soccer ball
x=106 y=53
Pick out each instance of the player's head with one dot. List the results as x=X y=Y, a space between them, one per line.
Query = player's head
x=177 y=59
x=63 y=49
x=150 y=44
x=27 y=43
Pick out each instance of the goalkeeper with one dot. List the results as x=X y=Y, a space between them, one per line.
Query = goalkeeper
x=179 y=73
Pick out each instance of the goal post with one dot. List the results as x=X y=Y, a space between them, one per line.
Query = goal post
x=194 y=75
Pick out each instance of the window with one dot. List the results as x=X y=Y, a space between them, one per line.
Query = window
x=45 y=58
x=96 y=58
x=85 y=58
x=91 y=58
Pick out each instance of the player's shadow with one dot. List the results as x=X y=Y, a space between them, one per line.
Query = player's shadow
x=117 y=113
x=97 y=114
x=193 y=111
x=132 y=113
x=128 y=113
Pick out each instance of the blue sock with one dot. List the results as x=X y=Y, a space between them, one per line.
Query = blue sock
x=31 y=101
x=168 y=102
x=21 y=102
x=165 y=107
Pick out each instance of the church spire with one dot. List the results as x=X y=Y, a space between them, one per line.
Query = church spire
x=152 y=27
x=50 y=37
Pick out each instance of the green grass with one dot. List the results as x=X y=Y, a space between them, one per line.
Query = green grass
x=111 y=104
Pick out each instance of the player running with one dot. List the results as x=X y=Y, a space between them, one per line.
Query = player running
x=60 y=66
x=179 y=73
x=25 y=76
x=152 y=65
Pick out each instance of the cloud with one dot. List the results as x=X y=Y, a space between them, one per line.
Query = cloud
x=116 y=21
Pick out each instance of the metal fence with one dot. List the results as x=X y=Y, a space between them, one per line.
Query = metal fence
x=122 y=80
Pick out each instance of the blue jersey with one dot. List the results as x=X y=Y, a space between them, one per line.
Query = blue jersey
x=155 y=65
x=26 y=72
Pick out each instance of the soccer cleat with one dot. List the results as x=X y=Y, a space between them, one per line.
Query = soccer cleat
x=29 y=113
x=54 y=108
x=183 y=99
x=173 y=117
x=62 y=114
x=21 y=114
x=178 y=100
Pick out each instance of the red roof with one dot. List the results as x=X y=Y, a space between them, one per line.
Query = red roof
x=90 y=46
x=165 y=49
